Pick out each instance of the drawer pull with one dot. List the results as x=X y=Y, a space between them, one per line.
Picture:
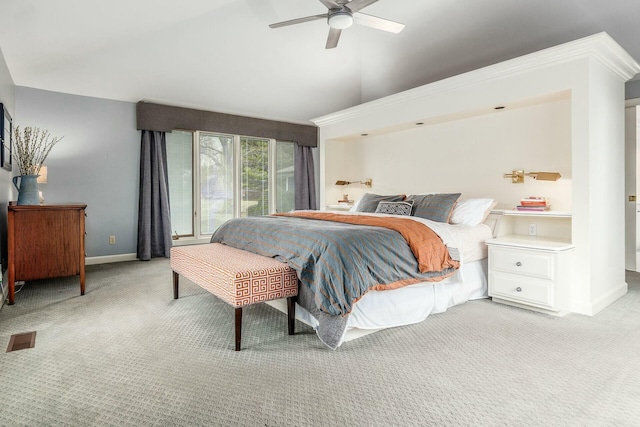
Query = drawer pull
x=518 y=289
x=518 y=264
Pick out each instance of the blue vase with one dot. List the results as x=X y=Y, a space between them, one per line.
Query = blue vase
x=28 y=190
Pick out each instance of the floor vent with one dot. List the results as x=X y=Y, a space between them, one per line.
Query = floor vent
x=21 y=341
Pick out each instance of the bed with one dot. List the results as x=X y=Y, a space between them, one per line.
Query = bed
x=367 y=279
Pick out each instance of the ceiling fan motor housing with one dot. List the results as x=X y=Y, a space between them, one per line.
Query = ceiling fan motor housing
x=340 y=19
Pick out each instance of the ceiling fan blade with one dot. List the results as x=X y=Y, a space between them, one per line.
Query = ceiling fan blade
x=298 y=21
x=330 y=4
x=357 y=5
x=333 y=38
x=377 y=23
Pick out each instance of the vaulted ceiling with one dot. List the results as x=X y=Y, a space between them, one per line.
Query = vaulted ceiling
x=221 y=55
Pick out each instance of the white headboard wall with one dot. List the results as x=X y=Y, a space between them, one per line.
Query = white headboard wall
x=466 y=155
x=572 y=92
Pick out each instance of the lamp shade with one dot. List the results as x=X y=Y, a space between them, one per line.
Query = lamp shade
x=42 y=177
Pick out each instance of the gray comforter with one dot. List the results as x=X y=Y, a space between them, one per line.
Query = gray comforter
x=336 y=263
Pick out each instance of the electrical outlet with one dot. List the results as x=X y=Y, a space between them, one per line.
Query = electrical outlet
x=112 y=240
x=533 y=230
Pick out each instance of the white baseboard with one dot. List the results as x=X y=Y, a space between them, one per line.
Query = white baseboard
x=591 y=308
x=109 y=259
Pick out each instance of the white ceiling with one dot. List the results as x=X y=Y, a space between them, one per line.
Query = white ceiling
x=220 y=55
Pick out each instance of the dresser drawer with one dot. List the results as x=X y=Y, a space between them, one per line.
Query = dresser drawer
x=519 y=261
x=527 y=290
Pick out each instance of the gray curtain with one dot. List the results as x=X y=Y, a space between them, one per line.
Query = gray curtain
x=304 y=178
x=154 y=215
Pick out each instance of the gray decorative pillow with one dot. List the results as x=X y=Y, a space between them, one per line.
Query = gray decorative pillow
x=395 y=208
x=435 y=207
x=369 y=202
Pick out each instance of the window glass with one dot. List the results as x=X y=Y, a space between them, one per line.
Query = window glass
x=180 y=171
x=216 y=180
x=254 y=176
x=285 y=188
x=206 y=180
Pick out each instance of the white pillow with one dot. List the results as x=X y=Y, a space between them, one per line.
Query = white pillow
x=472 y=211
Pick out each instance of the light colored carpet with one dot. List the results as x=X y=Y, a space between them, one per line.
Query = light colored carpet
x=128 y=354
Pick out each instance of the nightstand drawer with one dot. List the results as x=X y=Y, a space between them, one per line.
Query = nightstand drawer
x=518 y=261
x=523 y=289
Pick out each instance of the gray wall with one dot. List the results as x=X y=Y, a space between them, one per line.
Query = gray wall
x=632 y=89
x=96 y=162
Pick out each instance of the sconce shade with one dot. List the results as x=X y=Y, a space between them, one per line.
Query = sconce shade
x=368 y=182
x=545 y=176
x=517 y=176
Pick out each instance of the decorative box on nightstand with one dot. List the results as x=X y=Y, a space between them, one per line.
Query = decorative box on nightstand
x=532 y=272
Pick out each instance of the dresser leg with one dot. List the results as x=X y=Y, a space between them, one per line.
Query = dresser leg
x=11 y=292
x=11 y=288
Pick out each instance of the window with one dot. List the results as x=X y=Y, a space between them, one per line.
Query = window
x=215 y=177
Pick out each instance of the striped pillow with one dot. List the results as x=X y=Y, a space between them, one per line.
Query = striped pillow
x=435 y=207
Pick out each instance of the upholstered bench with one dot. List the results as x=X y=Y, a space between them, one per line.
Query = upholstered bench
x=238 y=277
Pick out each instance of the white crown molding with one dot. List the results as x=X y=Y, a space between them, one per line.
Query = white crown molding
x=600 y=47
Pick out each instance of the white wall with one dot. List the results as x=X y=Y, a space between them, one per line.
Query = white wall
x=468 y=156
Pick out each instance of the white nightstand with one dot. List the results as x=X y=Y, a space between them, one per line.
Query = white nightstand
x=531 y=272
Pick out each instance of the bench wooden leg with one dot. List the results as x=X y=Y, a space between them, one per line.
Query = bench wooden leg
x=291 y=315
x=238 y=327
x=176 y=278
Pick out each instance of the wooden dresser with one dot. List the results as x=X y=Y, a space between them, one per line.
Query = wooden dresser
x=45 y=241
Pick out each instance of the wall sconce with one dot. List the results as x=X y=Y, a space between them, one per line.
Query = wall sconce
x=517 y=177
x=368 y=182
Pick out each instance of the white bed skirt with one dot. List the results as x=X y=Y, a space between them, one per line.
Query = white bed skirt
x=411 y=304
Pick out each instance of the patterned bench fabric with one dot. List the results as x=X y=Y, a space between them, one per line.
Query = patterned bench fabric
x=237 y=277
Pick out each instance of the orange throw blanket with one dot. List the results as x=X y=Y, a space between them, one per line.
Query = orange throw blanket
x=428 y=248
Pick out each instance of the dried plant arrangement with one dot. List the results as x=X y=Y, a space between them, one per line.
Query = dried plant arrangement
x=31 y=147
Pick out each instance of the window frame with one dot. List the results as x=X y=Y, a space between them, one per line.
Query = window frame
x=198 y=235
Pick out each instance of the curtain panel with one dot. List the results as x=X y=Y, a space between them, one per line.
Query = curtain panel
x=154 y=214
x=304 y=176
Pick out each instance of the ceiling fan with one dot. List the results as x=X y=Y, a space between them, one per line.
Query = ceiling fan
x=341 y=15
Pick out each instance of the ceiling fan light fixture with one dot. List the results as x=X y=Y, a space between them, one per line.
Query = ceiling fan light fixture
x=340 y=20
